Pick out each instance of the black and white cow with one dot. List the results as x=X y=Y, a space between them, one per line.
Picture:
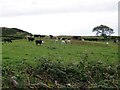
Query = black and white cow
x=7 y=40
x=39 y=42
x=30 y=39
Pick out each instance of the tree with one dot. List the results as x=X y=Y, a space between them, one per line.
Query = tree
x=103 y=30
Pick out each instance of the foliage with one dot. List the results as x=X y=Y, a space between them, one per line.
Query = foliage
x=103 y=30
x=13 y=33
x=83 y=74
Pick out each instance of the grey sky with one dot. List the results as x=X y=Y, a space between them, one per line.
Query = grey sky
x=57 y=17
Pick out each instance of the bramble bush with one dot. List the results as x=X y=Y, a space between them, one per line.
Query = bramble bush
x=83 y=74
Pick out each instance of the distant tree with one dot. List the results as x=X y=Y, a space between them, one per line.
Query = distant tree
x=103 y=30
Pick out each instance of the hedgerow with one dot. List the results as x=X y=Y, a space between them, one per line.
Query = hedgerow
x=55 y=74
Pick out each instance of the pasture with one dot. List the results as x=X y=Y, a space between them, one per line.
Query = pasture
x=21 y=55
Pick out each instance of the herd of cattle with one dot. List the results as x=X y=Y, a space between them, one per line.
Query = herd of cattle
x=63 y=40
x=40 y=41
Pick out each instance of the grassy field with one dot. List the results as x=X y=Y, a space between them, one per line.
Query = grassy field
x=20 y=54
x=23 y=50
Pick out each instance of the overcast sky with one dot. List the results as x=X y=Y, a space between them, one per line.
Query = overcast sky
x=59 y=17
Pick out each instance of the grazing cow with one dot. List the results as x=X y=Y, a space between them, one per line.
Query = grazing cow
x=63 y=42
x=7 y=40
x=36 y=35
x=51 y=36
x=56 y=40
x=116 y=40
x=42 y=36
x=63 y=38
x=107 y=43
x=30 y=39
x=68 y=41
x=77 y=37
x=39 y=42
x=83 y=39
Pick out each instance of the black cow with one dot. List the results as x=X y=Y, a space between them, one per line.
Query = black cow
x=77 y=37
x=38 y=42
x=51 y=36
x=7 y=40
x=30 y=39
x=36 y=35
x=42 y=36
x=116 y=40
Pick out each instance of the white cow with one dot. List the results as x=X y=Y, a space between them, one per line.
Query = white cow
x=83 y=39
x=63 y=42
x=107 y=43
x=68 y=41
x=56 y=40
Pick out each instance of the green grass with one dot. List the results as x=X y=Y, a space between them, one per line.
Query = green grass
x=23 y=50
x=21 y=54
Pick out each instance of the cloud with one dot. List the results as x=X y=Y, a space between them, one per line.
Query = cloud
x=68 y=17
x=63 y=23
x=13 y=8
